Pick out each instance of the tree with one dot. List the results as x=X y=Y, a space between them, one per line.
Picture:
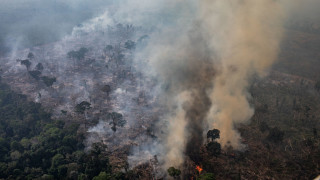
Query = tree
x=39 y=67
x=64 y=112
x=35 y=74
x=62 y=171
x=15 y=155
x=98 y=148
x=82 y=107
x=117 y=120
x=25 y=143
x=97 y=161
x=102 y=176
x=173 y=172
x=47 y=177
x=48 y=81
x=30 y=55
x=14 y=145
x=26 y=62
x=3 y=169
x=214 y=148
x=57 y=160
x=80 y=54
x=106 y=89
x=213 y=134
x=58 y=168
x=130 y=44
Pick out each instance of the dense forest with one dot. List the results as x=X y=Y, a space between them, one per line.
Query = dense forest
x=34 y=146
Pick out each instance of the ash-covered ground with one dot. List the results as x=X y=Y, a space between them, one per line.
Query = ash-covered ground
x=101 y=71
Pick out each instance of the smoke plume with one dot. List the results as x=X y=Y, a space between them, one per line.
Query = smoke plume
x=206 y=63
x=247 y=39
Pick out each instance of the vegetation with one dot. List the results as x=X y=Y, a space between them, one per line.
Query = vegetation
x=39 y=67
x=130 y=44
x=106 y=89
x=34 y=146
x=117 y=120
x=82 y=107
x=213 y=147
x=206 y=176
x=48 y=81
x=213 y=134
x=35 y=74
x=173 y=172
x=79 y=55
x=30 y=55
x=26 y=62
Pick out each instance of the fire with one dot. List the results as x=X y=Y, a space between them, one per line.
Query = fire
x=199 y=169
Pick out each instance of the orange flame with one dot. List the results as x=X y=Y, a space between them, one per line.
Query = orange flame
x=199 y=169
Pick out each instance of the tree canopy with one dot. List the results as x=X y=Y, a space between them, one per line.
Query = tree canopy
x=173 y=172
x=82 y=107
x=34 y=146
x=80 y=54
